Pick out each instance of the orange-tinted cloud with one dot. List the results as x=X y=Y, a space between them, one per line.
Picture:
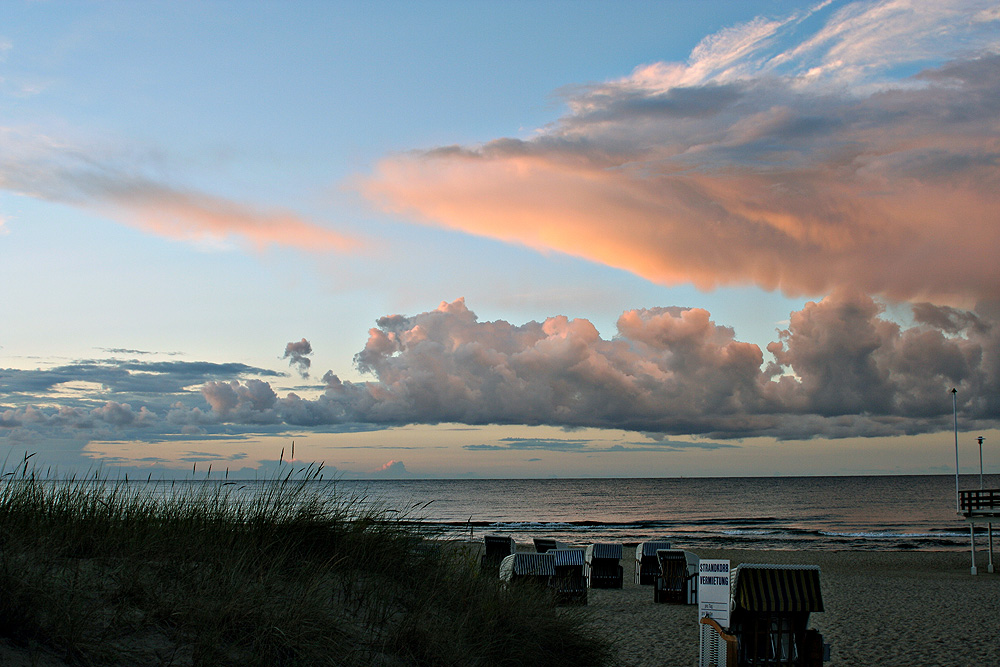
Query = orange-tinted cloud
x=736 y=168
x=50 y=170
x=199 y=217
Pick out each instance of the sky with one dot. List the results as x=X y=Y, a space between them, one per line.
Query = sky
x=500 y=239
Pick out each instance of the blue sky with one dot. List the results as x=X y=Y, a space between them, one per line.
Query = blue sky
x=499 y=239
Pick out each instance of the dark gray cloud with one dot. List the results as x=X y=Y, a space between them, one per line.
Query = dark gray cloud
x=580 y=446
x=529 y=444
x=297 y=354
x=120 y=399
x=125 y=377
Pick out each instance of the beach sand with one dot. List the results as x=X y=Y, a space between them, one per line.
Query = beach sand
x=881 y=608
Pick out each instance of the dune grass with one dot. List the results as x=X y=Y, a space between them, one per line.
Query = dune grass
x=283 y=572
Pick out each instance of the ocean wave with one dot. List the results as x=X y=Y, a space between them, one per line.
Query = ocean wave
x=878 y=535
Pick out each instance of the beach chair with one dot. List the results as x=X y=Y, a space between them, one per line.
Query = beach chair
x=543 y=544
x=528 y=568
x=769 y=614
x=677 y=581
x=498 y=547
x=646 y=566
x=569 y=582
x=602 y=565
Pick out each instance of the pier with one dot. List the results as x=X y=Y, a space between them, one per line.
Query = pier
x=980 y=506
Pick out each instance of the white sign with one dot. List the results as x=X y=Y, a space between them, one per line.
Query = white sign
x=713 y=590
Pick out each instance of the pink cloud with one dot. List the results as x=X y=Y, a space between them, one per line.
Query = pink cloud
x=841 y=370
x=51 y=170
x=186 y=216
x=737 y=168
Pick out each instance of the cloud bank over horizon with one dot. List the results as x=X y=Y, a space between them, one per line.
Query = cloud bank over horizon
x=863 y=152
x=841 y=369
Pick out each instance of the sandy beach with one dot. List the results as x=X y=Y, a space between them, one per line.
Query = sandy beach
x=881 y=608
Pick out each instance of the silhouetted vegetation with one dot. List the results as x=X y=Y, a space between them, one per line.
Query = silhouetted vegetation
x=281 y=572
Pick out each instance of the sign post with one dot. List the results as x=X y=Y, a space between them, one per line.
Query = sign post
x=713 y=591
x=713 y=602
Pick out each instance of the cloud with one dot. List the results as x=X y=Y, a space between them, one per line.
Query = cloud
x=447 y=364
x=391 y=470
x=298 y=355
x=250 y=402
x=121 y=414
x=863 y=154
x=114 y=399
x=529 y=444
x=53 y=170
x=590 y=447
x=124 y=377
x=841 y=369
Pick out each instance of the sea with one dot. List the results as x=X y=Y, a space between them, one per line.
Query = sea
x=877 y=513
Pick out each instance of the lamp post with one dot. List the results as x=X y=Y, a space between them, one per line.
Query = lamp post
x=954 y=407
x=980 y=439
x=989 y=524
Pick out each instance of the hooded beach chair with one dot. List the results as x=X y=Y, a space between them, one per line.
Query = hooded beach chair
x=646 y=565
x=769 y=614
x=498 y=547
x=569 y=582
x=677 y=581
x=602 y=565
x=528 y=568
x=543 y=544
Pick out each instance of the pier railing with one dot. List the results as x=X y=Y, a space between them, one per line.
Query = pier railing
x=980 y=501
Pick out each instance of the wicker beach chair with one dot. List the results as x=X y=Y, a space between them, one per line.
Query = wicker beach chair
x=543 y=544
x=498 y=547
x=646 y=566
x=602 y=565
x=677 y=581
x=569 y=582
x=769 y=614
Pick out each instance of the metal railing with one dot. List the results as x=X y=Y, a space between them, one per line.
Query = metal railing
x=982 y=501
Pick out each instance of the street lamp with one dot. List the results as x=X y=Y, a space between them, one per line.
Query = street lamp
x=980 y=439
x=954 y=407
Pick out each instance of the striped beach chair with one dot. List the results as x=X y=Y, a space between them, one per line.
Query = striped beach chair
x=569 y=582
x=677 y=581
x=646 y=565
x=543 y=544
x=769 y=615
x=537 y=569
x=498 y=547
x=602 y=565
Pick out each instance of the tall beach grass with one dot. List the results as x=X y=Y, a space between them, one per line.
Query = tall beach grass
x=281 y=572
